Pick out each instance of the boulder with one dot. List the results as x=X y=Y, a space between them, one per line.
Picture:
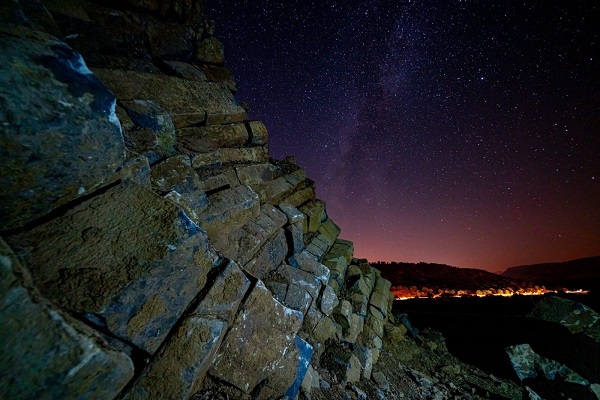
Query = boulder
x=260 y=345
x=60 y=137
x=187 y=102
x=46 y=354
x=574 y=316
x=528 y=364
x=225 y=294
x=324 y=330
x=127 y=258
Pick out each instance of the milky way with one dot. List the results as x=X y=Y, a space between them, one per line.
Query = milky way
x=459 y=132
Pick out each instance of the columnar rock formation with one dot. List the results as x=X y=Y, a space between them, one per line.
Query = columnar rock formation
x=150 y=248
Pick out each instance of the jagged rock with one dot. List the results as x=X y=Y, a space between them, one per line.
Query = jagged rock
x=278 y=289
x=595 y=388
x=175 y=179
x=177 y=370
x=231 y=156
x=365 y=356
x=179 y=367
x=307 y=262
x=46 y=354
x=187 y=102
x=255 y=174
x=184 y=70
x=130 y=287
x=295 y=235
x=311 y=380
x=353 y=370
x=337 y=266
x=343 y=248
x=574 y=316
x=324 y=330
x=328 y=300
x=225 y=294
x=229 y=210
x=312 y=319
x=381 y=380
x=354 y=329
x=269 y=257
x=244 y=243
x=527 y=364
x=343 y=314
x=318 y=246
x=218 y=178
x=299 y=197
x=379 y=301
x=170 y=41
x=209 y=50
x=303 y=279
x=205 y=139
x=46 y=162
x=298 y=298
x=259 y=133
x=314 y=211
x=222 y=76
x=136 y=169
x=360 y=303
x=330 y=230
x=152 y=128
x=260 y=345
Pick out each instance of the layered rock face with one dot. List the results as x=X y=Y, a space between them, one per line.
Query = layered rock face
x=150 y=248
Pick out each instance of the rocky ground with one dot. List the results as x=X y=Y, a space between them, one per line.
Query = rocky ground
x=419 y=368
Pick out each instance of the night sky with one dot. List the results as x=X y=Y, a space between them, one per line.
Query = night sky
x=457 y=132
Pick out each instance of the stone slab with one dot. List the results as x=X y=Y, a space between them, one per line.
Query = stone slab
x=256 y=346
x=187 y=102
x=60 y=137
x=46 y=354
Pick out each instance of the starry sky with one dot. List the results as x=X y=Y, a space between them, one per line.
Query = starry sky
x=458 y=132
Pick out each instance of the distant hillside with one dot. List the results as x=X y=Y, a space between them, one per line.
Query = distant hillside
x=583 y=273
x=427 y=279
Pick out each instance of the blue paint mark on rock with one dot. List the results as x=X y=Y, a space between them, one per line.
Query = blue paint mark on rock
x=305 y=353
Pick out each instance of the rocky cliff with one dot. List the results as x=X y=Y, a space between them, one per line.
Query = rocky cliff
x=150 y=248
